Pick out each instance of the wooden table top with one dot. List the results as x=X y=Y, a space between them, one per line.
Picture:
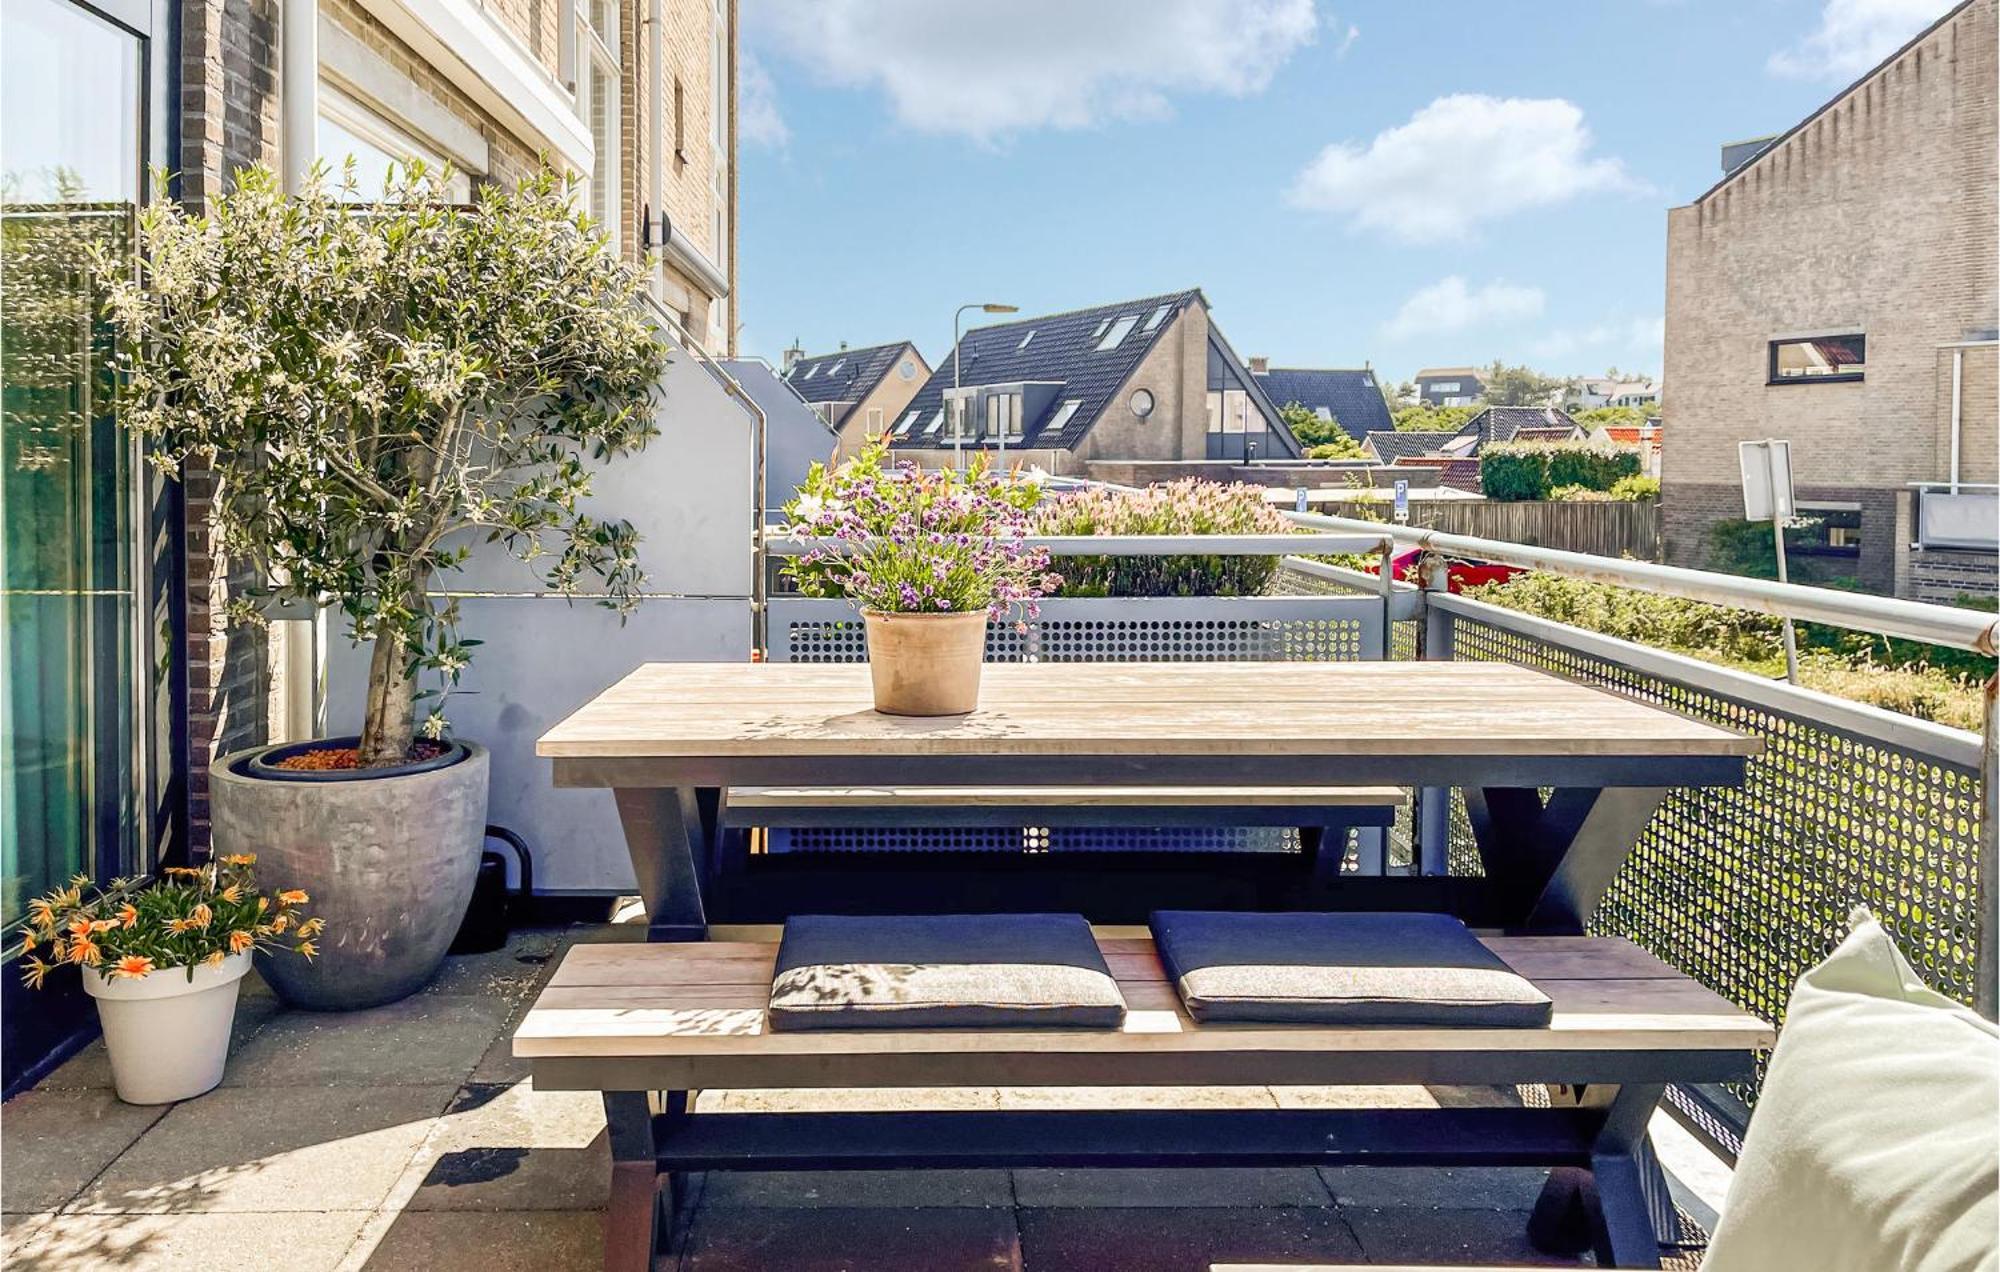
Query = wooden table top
x=1159 y=709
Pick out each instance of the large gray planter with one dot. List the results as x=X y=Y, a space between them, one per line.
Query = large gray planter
x=389 y=862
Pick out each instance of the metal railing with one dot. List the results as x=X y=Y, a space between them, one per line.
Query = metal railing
x=1741 y=888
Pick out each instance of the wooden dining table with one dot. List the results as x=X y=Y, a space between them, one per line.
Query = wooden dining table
x=1558 y=778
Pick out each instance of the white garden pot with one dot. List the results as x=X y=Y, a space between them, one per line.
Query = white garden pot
x=168 y=1035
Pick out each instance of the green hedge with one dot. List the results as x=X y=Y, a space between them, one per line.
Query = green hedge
x=1513 y=473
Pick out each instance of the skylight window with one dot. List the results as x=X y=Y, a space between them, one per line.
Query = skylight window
x=1157 y=317
x=811 y=371
x=909 y=422
x=1119 y=330
x=1100 y=329
x=937 y=422
x=1062 y=417
x=1024 y=340
x=835 y=368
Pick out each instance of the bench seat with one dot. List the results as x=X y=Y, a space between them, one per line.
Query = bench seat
x=691 y=1016
x=649 y=1024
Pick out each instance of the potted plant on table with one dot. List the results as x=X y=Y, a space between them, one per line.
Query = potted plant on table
x=931 y=558
x=164 y=964
x=376 y=387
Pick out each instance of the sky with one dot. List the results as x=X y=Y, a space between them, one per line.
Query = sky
x=1402 y=183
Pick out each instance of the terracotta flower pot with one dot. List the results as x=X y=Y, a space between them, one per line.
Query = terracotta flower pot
x=167 y=1032
x=925 y=664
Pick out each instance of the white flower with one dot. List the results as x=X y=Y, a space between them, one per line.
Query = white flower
x=809 y=508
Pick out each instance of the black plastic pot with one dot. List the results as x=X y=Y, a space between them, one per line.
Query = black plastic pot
x=263 y=764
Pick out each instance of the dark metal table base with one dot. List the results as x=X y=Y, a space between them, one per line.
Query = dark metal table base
x=1596 y=1188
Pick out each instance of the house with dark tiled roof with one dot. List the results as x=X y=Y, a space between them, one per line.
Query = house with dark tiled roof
x=1450 y=386
x=859 y=392
x=1500 y=424
x=1388 y=446
x=1352 y=399
x=1140 y=380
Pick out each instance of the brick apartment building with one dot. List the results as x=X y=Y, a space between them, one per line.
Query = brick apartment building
x=130 y=680
x=1837 y=288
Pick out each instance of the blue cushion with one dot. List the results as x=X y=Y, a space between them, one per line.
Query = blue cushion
x=954 y=971
x=1359 y=969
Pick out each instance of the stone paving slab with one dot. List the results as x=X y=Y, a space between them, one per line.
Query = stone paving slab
x=422 y=1040
x=58 y=1141
x=865 y=1189
x=513 y=1148
x=448 y=1241
x=1428 y=1234
x=284 y=1149
x=186 y=1242
x=1170 y=1240
x=939 y=1239
x=1443 y=1188
x=1192 y=1187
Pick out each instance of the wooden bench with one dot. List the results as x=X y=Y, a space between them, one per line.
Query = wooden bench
x=1120 y=884
x=649 y=1024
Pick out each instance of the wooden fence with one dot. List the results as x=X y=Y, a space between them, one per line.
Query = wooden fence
x=1604 y=529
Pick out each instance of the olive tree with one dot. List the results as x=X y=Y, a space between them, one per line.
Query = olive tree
x=378 y=386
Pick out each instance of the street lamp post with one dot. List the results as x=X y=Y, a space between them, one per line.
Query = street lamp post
x=957 y=429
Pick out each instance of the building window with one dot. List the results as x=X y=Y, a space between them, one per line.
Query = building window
x=1157 y=317
x=1229 y=411
x=1818 y=360
x=908 y=370
x=1025 y=339
x=874 y=421
x=1062 y=417
x=597 y=35
x=1003 y=417
x=1442 y=386
x=1119 y=330
x=1142 y=402
x=909 y=422
x=1825 y=529
x=1323 y=415
x=680 y=122
x=347 y=130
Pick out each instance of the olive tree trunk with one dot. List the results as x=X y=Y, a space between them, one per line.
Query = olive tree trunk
x=390 y=723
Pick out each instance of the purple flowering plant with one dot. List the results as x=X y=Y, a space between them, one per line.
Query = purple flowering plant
x=901 y=539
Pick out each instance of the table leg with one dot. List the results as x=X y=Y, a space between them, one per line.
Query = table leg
x=639 y=1216
x=670 y=840
x=1553 y=861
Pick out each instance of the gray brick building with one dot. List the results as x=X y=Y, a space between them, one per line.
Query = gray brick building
x=1838 y=289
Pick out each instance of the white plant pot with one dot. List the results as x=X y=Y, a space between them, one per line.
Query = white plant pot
x=168 y=1035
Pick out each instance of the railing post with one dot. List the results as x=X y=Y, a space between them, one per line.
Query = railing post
x=1987 y=966
x=1434 y=802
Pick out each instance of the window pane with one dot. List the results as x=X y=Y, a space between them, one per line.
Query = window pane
x=1821 y=356
x=69 y=129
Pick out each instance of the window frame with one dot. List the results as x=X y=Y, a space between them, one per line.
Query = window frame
x=1772 y=379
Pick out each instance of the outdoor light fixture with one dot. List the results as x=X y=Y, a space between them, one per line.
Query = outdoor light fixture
x=958 y=421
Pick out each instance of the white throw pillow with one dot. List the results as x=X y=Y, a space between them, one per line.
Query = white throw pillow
x=1875 y=1146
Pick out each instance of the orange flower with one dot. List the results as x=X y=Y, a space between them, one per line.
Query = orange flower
x=178 y=926
x=263 y=904
x=293 y=896
x=185 y=872
x=103 y=925
x=84 y=950
x=280 y=923
x=79 y=926
x=307 y=948
x=240 y=859
x=27 y=941
x=312 y=927
x=202 y=915
x=240 y=940
x=42 y=913
x=132 y=966
x=232 y=894
x=128 y=914
x=214 y=959
x=33 y=972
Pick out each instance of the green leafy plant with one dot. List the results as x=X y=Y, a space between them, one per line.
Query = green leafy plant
x=1189 y=506
x=193 y=916
x=1636 y=488
x=1423 y=418
x=1316 y=434
x=377 y=386
x=1534 y=470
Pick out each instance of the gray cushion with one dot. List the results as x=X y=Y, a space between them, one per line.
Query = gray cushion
x=942 y=971
x=1362 y=969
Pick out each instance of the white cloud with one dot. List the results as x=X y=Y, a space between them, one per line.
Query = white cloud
x=758 y=120
x=1459 y=161
x=1347 y=41
x=989 y=68
x=1449 y=305
x=1633 y=335
x=1853 y=36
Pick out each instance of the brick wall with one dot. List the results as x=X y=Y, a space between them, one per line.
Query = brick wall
x=1175 y=371
x=1688 y=510
x=1877 y=216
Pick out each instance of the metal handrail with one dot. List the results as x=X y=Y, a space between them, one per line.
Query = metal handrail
x=1146 y=544
x=1888 y=616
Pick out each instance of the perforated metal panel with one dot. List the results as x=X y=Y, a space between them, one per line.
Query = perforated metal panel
x=1192 y=629
x=1745 y=888
x=1032 y=839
